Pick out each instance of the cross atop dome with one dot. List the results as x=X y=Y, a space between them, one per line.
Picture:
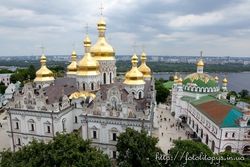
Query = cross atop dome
x=101 y=9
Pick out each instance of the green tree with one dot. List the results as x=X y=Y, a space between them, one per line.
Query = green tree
x=231 y=93
x=161 y=92
x=137 y=149
x=244 y=93
x=2 y=88
x=63 y=151
x=189 y=148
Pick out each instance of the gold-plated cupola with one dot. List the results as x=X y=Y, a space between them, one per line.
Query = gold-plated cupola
x=134 y=76
x=44 y=74
x=102 y=50
x=72 y=67
x=88 y=66
x=144 y=69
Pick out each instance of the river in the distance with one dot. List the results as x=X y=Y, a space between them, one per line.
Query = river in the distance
x=236 y=81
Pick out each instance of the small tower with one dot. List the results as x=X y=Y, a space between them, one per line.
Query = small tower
x=104 y=53
x=44 y=77
x=224 y=84
x=88 y=74
x=200 y=65
x=134 y=82
x=72 y=67
x=144 y=69
x=224 y=88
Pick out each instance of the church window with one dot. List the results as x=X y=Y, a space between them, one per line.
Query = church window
x=104 y=78
x=32 y=127
x=48 y=129
x=207 y=139
x=114 y=154
x=94 y=134
x=110 y=77
x=213 y=146
x=92 y=86
x=83 y=86
x=226 y=134
x=76 y=119
x=114 y=136
x=140 y=95
x=18 y=141
x=63 y=124
x=17 y=125
x=233 y=135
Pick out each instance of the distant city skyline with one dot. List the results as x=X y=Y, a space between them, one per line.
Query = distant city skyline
x=164 y=27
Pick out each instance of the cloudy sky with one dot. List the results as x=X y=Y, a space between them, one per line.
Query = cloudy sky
x=164 y=27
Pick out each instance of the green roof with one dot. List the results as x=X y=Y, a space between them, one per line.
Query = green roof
x=203 y=99
x=231 y=119
x=168 y=84
x=201 y=80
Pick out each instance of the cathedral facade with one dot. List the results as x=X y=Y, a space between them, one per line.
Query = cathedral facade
x=90 y=99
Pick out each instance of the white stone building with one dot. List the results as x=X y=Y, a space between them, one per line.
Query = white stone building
x=91 y=100
x=5 y=78
x=201 y=103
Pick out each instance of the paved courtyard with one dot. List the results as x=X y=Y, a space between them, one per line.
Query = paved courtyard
x=4 y=139
x=168 y=128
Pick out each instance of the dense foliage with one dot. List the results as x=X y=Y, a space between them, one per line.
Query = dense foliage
x=2 y=88
x=64 y=151
x=23 y=74
x=243 y=95
x=161 y=92
x=5 y=71
x=137 y=149
x=185 y=151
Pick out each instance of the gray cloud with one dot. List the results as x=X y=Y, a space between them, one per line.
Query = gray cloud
x=165 y=27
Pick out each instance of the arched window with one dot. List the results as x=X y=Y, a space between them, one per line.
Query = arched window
x=140 y=95
x=110 y=77
x=201 y=133
x=213 y=146
x=83 y=86
x=228 y=148
x=246 y=150
x=104 y=78
x=64 y=124
x=76 y=119
x=206 y=139
x=92 y=86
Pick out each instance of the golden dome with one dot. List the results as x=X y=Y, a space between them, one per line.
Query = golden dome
x=225 y=80
x=72 y=67
x=216 y=78
x=82 y=94
x=180 y=80
x=175 y=78
x=200 y=63
x=88 y=65
x=44 y=74
x=134 y=76
x=144 y=69
x=102 y=50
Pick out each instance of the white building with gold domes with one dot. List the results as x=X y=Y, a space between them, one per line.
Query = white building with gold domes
x=90 y=99
x=199 y=101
